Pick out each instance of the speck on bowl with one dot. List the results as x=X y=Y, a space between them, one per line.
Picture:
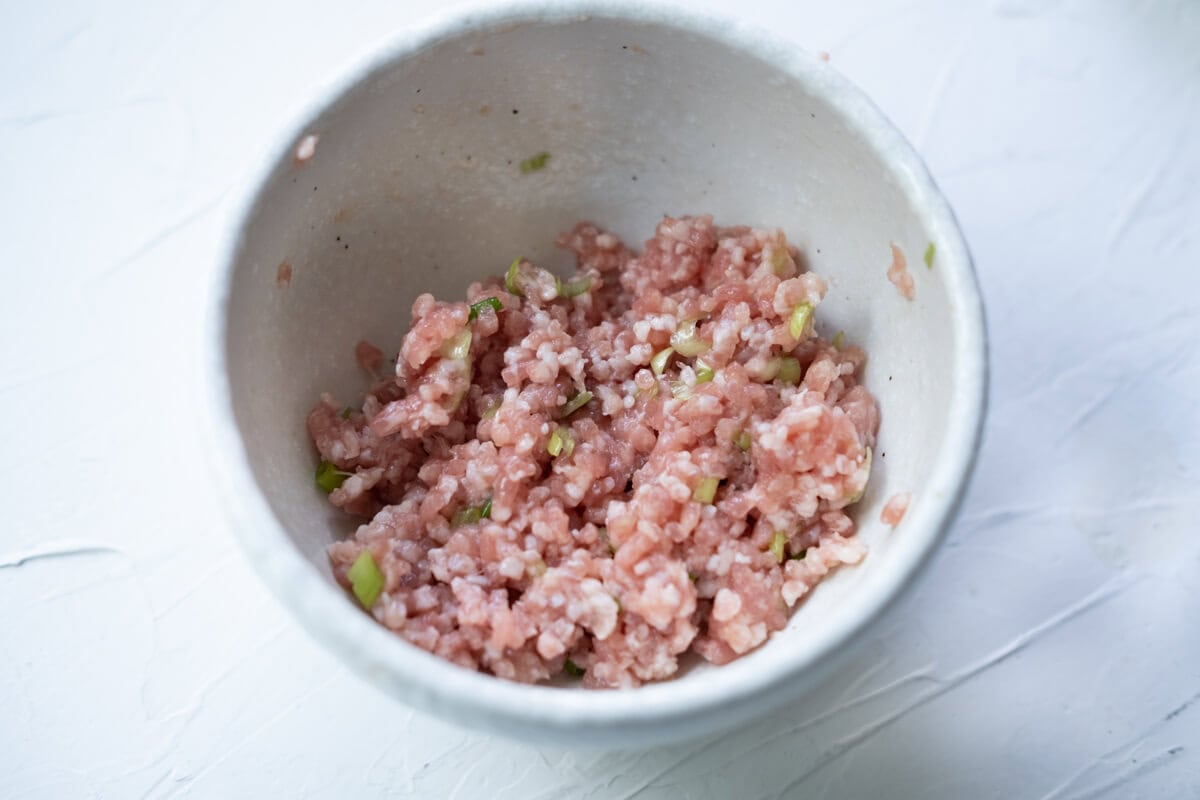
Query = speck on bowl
x=414 y=186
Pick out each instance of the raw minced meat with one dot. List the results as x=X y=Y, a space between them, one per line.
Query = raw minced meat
x=655 y=456
x=899 y=275
x=895 y=508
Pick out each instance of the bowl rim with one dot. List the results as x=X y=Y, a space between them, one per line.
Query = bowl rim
x=426 y=681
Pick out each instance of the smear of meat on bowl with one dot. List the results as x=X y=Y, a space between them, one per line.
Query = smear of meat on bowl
x=595 y=476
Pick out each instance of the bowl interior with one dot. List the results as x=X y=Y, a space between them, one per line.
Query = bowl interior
x=415 y=186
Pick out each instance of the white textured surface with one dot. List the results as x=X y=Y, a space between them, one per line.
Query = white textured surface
x=1049 y=652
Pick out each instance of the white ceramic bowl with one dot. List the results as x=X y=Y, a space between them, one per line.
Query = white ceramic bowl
x=414 y=186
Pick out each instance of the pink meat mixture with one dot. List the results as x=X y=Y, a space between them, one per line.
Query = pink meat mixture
x=688 y=503
x=899 y=275
x=895 y=508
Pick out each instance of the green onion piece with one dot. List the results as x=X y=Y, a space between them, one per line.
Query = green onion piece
x=778 y=542
x=930 y=252
x=346 y=412
x=365 y=579
x=574 y=288
x=799 y=320
x=706 y=490
x=538 y=568
x=462 y=364
x=455 y=401
x=467 y=516
x=867 y=465
x=685 y=341
x=772 y=368
x=743 y=441
x=789 y=370
x=488 y=302
x=472 y=514
x=704 y=373
x=839 y=340
x=659 y=363
x=458 y=346
x=510 y=278
x=561 y=442
x=602 y=534
x=681 y=390
x=693 y=577
x=575 y=403
x=330 y=477
x=779 y=260
x=491 y=408
x=534 y=163
x=573 y=669
x=800 y=556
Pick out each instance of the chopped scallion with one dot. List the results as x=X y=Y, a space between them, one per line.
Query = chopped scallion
x=574 y=288
x=575 y=403
x=561 y=442
x=602 y=534
x=799 y=320
x=365 y=579
x=693 y=577
x=534 y=163
x=510 y=278
x=867 y=466
x=465 y=516
x=839 y=340
x=555 y=446
x=458 y=346
x=930 y=252
x=778 y=542
x=686 y=342
x=488 y=302
x=789 y=370
x=346 y=412
x=706 y=490
x=658 y=364
x=472 y=514
x=778 y=260
x=490 y=408
x=800 y=556
x=680 y=390
x=704 y=373
x=573 y=669
x=330 y=477
x=743 y=441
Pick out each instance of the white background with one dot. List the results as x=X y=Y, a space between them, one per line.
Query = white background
x=1053 y=649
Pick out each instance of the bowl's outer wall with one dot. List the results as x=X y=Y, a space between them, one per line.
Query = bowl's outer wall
x=415 y=187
